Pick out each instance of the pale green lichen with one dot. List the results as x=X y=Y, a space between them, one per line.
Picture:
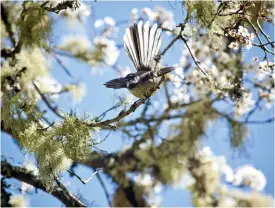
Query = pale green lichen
x=76 y=138
x=237 y=133
x=35 y=26
x=36 y=64
x=55 y=148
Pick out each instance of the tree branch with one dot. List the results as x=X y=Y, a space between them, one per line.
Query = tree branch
x=59 y=191
x=123 y=113
x=61 y=6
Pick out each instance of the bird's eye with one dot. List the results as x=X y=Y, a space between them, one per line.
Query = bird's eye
x=130 y=76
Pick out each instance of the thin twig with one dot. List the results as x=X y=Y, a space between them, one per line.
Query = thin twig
x=85 y=181
x=101 y=116
x=44 y=98
x=260 y=40
x=182 y=27
x=104 y=189
x=59 y=61
x=193 y=56
x=257 y=105
x=266 y=36
x=261 y=122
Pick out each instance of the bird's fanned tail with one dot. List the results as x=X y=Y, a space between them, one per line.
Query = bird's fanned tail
x=142 y=44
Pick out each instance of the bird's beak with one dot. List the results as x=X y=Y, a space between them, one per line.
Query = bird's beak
x=165 y=70
x=116 y=83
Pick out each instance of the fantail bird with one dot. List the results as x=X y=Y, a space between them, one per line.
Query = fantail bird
x=142 y=44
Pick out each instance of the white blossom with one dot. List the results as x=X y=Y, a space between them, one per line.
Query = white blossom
x=245 y=104
x=144 y=180
x=80 y=13
x=179 y=72
x=123 y=71
x=47 y=84
x=75 y=44
x=31 y=167
x=109 y=49
x=186 y=181
x=248 y=44
x=243 y=31
x=264 y=66
x=250 y=176
x=109 y=21
x=227 y=201
x=18 y=201
x=78 y=91
x=165 y=17
x=234 y=45
x=26 y=187
x=145 y=145
x=134 y=15
x=251 y=36
x=149 y=13
x=98 y=23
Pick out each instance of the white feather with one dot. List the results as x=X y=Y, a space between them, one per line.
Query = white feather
x=145 y=42
x=156 y=43
x=158 y=47
x=129 y=42
x=152 y=42
x=140 y=34
x=128 y=52
x=129 y=49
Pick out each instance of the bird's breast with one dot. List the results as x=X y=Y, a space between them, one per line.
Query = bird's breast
x=140 y=90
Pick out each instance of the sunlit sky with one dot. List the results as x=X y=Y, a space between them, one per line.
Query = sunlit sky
x=259 y=148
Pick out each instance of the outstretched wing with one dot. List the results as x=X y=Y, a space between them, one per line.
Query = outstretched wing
x=142 y=43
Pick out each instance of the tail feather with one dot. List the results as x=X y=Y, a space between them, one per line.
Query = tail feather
x=152 y=42
x=131 y=47
x=157 y=41
x=146 y=42
x=142 y=43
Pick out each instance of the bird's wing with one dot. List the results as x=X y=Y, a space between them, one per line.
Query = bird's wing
x=116 y=83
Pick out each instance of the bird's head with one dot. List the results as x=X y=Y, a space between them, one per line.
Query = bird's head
x=132 y=80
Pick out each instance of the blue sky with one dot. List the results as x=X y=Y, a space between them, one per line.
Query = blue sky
x=259 y=151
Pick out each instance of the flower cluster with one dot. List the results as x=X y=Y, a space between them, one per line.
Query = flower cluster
x=267 y=67
x=104 y=50
x=77 y=45
x=107 y=26
x=268 y=97
x=123 y=71
x=244 y=175
x=244 y=105
x=249 y=176
x=80 y=13
x=242 y=38
x=18 y=201
x=180 y=91
x=152 y=188
x=78 y=91
x=207 y=169
x=160 y=15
